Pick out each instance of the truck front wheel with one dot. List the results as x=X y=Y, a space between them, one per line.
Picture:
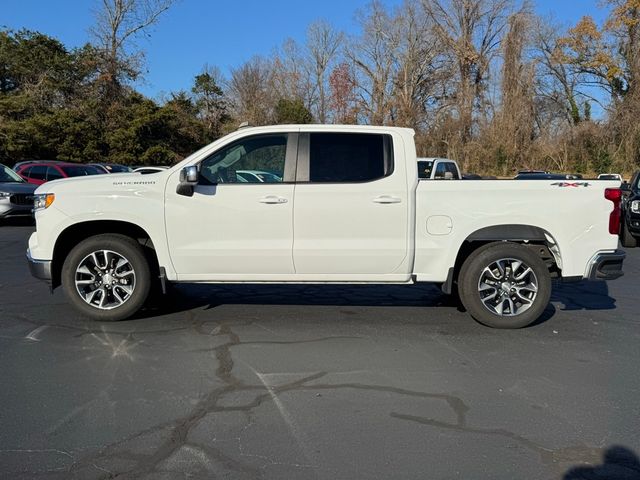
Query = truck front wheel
x=106 y=277
x=504 y=285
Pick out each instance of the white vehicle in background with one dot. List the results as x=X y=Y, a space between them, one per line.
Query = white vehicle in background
x=610 y=176
x=146 y=170
x=438 y=169
x=350 y=208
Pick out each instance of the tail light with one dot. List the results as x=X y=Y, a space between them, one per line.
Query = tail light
x=614 y=195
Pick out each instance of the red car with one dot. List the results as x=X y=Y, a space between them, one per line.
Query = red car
x=39 y=173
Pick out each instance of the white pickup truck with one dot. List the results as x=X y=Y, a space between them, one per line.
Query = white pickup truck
x=325 y=204
x=438 y=169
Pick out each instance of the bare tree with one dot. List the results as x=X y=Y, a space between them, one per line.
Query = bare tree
x=374 y=56
x=558 y=83
x=419 y=66
x=323 y=42
x=515 y=121
x=291 y=75
x=471 y=31
x=251 y=91
x=342 y=94
x=118 y=24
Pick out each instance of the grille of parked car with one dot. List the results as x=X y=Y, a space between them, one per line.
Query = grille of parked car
x=21 y=199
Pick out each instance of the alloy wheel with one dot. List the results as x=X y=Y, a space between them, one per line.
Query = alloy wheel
x=105 y=279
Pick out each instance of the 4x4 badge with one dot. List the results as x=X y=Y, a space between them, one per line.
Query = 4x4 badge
x=571 y=184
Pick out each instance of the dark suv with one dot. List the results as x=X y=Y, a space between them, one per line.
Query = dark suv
x=630 y=230
x=16 y=195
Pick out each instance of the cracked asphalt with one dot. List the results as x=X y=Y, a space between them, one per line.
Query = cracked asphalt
x=316 y=382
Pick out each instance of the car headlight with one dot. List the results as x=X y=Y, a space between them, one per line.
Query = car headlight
x=5 y=194
x=43 y=200
x=635 y=206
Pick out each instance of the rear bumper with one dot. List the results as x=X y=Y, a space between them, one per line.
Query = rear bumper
x=606 y=266
x=40 y=269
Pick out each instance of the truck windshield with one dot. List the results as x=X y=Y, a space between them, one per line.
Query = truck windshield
x=8 y=175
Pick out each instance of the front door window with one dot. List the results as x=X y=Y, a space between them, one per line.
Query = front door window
x=258 y=159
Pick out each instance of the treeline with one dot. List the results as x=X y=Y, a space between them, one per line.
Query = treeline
x=486 y=82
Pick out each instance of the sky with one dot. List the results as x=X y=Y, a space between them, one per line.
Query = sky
x=194 y=33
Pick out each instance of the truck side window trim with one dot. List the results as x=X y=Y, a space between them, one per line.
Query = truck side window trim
x=303 y=171
x=291 y=153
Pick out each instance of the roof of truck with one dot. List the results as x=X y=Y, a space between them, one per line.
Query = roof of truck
x=433 y=159
x=327 y=128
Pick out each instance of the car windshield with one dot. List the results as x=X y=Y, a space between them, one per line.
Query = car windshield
x=80 y=170
x=8 y=175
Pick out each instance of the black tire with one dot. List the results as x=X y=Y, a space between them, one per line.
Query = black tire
x=469 y=285
x=122 y=245
x=626 y=238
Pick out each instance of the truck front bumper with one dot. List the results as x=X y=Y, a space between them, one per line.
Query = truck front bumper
x=606 y=265
x=41 y=269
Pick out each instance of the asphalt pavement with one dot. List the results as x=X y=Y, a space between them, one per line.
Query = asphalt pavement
x=317 y=382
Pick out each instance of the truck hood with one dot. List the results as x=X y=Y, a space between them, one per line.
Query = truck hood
x=105 y=183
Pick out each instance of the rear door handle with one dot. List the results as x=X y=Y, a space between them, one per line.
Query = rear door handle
x=273 y=199
x=387 y=199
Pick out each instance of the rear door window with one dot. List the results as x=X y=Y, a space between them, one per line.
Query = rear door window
x=349 y=157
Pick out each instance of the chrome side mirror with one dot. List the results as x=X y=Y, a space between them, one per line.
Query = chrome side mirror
x=188 y=180
x=189 y=175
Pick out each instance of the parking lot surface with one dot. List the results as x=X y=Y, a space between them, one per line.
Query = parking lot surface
x=326 y=382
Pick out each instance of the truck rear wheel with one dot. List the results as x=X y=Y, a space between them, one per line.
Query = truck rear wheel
x=504 y=285
x=106 y=277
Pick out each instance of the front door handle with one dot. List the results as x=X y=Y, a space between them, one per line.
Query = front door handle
x=273 y=199
x=387 y=199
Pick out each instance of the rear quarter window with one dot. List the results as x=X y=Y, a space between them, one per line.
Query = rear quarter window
x=451 y=168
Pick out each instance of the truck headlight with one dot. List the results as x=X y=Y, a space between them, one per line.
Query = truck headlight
x=4 y=195
x=43 y=200
x=635 y=206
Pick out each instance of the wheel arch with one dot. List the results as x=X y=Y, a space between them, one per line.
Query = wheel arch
x=532 y=236
x=74 y=234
